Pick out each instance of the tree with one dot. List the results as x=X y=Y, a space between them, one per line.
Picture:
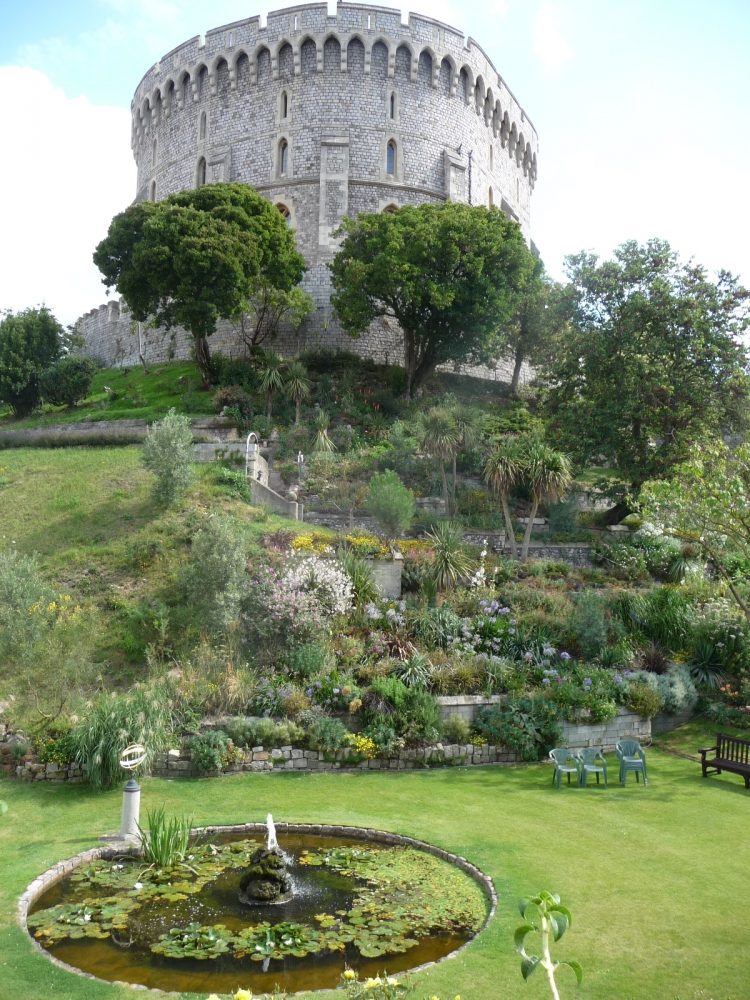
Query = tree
x=650 y=363
x=547 y=474
x=448 y=274
x=441 y=438
x=297 y=386
x=337 y=479
x=503 y=471
x=168 y=453
x=67 y=381
x=269 y=375
x=269 y=307
x=197 y=257
x=707 y=503
x=536 y=323
x=30 y=341
x=391 y=503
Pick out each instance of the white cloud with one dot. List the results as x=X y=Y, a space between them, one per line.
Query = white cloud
x=70 y=172
x=550 y=45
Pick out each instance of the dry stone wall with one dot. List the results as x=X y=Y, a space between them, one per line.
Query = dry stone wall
x=327 y=116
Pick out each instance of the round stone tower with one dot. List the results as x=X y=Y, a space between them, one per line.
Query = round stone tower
x=330 y=116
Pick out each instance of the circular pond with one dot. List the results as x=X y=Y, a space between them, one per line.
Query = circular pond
x=359 y=898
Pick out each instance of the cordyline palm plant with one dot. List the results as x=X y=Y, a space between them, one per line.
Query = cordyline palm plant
x=440 y=438
x=269 y=371
x=547 y=474
x=297 y=386
x=451 y=563
x=504 y=469
x=322 y=442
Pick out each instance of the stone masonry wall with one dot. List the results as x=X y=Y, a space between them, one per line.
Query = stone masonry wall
x=304 y=108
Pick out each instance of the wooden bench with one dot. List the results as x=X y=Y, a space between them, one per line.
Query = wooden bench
x=730 y=754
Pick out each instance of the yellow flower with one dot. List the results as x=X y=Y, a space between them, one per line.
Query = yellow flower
x=391 y=981
x=243 y=995
x=370 y=984
x=350 y=974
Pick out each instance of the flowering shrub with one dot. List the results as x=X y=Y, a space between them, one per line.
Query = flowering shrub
x=363 y=746
x=322 y=580
x=316 y=542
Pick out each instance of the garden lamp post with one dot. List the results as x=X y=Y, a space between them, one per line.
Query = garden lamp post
x=130 y=759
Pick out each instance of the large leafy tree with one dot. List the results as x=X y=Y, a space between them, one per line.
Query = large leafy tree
x=707 y=503
x=30 y=342
x=198 y=256
x=650 y=362
x=448 y=274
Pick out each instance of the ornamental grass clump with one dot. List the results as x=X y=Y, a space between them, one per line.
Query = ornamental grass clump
x=112 y=723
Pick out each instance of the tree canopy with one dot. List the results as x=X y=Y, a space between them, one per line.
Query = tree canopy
x=448 y=274
x=30 y=342
x=650 y=362
x=198 y=256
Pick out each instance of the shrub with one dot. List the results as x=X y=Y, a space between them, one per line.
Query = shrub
x=234 y=482
x=324 y=581
x=414 y=672
x=113 y=722
x=67 y=381
x=263 y=732
x=385 y=738
x=391 y=503
x=456 y=730
x=212 y=751
x=663 y=616
x=589 y=624
x=527 y=725
x=621 y=560
x=24 y=599
x=328 y=735
x=168 y=453
x=450 y=562
x=215 y=575
x=675 y=688
x=308 y=659
x=643 y=699
x=359 y=572
x=233 y=397
x=437 y=627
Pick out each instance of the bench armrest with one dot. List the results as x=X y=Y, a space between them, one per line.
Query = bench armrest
x=705 y=750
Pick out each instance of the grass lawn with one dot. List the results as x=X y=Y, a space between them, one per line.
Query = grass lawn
x=128 y=393
x=652 y=875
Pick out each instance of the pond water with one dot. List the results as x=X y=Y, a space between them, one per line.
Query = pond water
x=356 y=903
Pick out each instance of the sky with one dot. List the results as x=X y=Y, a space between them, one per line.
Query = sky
x=641 y=107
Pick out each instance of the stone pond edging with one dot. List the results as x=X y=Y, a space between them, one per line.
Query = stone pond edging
x=53 y=875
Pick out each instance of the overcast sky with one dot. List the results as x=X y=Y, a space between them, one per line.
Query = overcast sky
x=641 y=108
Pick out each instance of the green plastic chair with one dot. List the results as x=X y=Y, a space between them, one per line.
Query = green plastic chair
x=566 y=762
x=593 y=761
x=632 y=757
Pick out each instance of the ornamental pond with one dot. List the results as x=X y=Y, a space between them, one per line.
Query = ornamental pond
x=365 y=900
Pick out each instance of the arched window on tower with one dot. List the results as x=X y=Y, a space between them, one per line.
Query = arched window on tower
x=202 y=127
x=284 y=211
x=200 y=175
x=390 y=209
x=283 y=158
x=390 y=159
x=152 y=192
x=392 y=105
x=492 y=198
x=284 y=104
x=153 y=153
x=492 y=157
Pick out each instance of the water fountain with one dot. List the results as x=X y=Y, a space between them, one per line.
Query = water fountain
x=242 y=909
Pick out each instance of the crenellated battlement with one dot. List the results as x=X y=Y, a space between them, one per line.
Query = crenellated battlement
x=192 y=72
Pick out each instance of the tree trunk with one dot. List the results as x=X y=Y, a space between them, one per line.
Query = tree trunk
x=453 y=490
x=517 y=366
x=268 y=405
x=297 y=404
x=529 y=529
x=203 y=359
x=510 y=530
x=446 y=495
x=141 y=348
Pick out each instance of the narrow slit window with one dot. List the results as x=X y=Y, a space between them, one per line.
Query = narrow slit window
x=392 y=108
x=202 y=131
x=201 y=173
x=283 y=157
x=390 y=159
x=152 y=194
x=284 y=104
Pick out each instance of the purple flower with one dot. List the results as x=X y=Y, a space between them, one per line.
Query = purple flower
x=565 y=656
x=546 y=681
x=587 y=682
